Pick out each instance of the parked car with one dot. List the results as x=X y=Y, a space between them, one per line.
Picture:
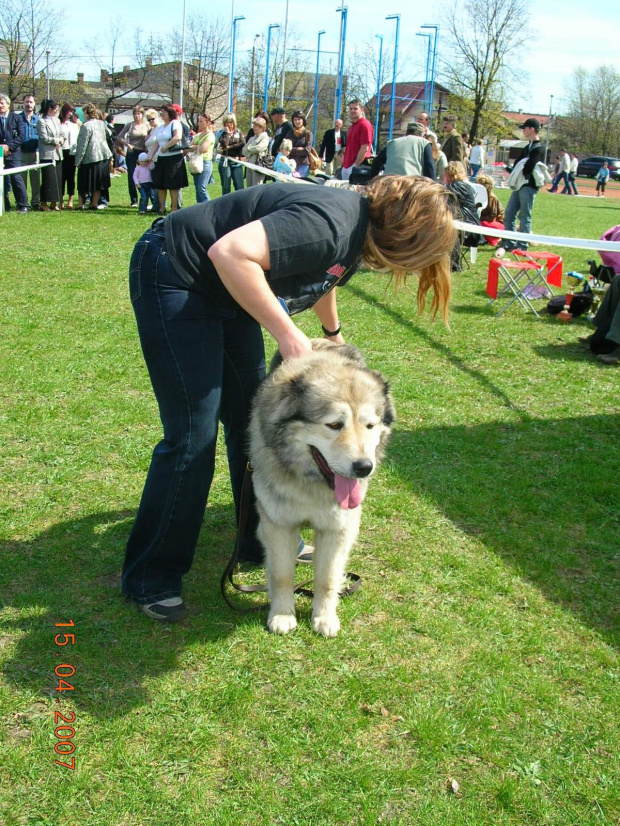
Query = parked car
x=590 y=166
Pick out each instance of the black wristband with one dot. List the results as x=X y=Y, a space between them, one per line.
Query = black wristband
x=330 y=333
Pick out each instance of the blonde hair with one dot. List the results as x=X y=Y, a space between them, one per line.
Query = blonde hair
x=455 y=171
x=486 y=181
x=434 y=146
x=230 y=117
x=411 y=229
x=287 y=145
x=151 y=113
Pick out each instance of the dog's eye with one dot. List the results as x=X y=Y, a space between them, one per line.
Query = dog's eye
x=370 y=426
x=335 y=425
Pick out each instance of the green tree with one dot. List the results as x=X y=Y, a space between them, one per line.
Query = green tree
x=484 y=38
x=591 y=124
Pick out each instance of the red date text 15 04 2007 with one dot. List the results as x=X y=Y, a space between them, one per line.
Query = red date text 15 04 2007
x=64 y=733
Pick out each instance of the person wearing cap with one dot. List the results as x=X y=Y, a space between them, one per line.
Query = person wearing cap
x=521 y=201
x=283 y=128
x=143 y=181
x=410 y=154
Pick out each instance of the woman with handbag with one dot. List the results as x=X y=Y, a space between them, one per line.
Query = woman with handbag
x=169 y=174
x=255 y=149
x=200 y=157
x=302 y=144
x=92 y=158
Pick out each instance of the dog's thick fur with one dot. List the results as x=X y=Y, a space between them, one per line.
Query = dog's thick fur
x=318 y=430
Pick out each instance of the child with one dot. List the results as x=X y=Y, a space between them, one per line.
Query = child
x=143 y=181
x=283 y=164
x=602 y=176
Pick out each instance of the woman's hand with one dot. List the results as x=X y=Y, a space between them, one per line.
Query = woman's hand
x=336 y=339
x=294 y=343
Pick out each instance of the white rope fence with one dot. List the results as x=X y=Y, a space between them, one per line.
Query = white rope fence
x=545 y=240
x=13 y=171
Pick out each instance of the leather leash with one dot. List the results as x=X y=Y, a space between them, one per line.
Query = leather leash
x=227 y=577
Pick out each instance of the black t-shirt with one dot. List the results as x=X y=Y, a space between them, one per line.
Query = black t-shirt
x=315 y=235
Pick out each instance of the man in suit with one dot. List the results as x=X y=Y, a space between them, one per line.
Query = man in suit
x=333 y=143
x=452 y=147
x=11 y=137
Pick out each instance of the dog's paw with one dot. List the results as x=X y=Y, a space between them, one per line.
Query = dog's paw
x=327 y=624
x=281 y=623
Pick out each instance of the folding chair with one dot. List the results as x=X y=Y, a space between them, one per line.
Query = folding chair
x=514 y=277
x=550 y=275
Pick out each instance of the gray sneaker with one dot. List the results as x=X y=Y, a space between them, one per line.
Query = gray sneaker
x=167 y=610
x=610 y=358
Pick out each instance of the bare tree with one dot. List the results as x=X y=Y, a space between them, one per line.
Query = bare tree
x=592 y=122
x=28 y=30
x=483 y=40
x=119 y=83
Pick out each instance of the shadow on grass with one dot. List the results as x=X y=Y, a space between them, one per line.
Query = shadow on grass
x=486 y=383
x=567 y=352
x=542 y=494
x=71 y=572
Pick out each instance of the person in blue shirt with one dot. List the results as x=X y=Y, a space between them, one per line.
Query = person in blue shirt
x=30 y=148
x=11 y=137
x=602 y=176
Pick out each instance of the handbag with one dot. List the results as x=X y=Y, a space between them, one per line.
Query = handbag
x=196 y=163
x=267 y=161
x=314 y=162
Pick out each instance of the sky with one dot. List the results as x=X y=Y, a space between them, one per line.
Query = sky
x=557 y=40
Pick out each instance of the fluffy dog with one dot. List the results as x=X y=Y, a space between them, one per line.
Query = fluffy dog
x=318 y=431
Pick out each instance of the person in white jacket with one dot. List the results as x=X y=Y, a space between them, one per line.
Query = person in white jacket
x=563 y=172
x=255 y=148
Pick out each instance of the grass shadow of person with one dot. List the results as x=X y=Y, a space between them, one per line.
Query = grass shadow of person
x=70 y=573
x=541 y=494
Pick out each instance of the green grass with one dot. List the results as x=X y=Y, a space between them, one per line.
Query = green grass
x=483 y=645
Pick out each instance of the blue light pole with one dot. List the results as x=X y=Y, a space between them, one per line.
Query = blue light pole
x=343 y=37
x=433 y=66
x=316 y=85
x=380 y=36
x=393 y=101
x=232 y=63
x=272 y=26
x=428 y=65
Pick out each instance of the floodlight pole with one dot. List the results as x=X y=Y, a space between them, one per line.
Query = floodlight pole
x=380 y=36
x=256 y=37
x=315 y=118
x=394 y=72
x=182 y=58
x=428 y=65
x=435 y=27
x=548 y=126
x=231 y=86
x=266 y=96
x=283 y=75
x=343 y=37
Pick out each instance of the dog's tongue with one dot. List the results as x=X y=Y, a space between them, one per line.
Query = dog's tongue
x=348 y=491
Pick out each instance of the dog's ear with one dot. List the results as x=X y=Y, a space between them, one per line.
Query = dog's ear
x=286 y=388
x=389 y=410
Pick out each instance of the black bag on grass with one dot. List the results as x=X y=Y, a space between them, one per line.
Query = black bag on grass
x=580 y=304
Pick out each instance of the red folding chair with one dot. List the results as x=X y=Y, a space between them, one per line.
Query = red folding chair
x=514 y=277
x=551 y=274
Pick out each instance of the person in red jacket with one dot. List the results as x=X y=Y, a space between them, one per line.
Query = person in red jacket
x=359 y=139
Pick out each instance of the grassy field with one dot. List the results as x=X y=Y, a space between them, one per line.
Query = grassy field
x=482 y=647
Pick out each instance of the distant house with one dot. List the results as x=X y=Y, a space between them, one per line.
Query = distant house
x=409 y=104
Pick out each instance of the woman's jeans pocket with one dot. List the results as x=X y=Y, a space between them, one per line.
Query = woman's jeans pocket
x=135 y=270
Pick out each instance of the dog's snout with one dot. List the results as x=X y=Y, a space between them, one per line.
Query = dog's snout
x=362 y=468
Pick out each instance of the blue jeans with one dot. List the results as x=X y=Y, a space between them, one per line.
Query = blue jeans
x=231 y=172
x=561 y=176
x=201 y=180
x=205 y=364
x=146 y=194
x=475 y=169
x=571 y=183
x=520 y=202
